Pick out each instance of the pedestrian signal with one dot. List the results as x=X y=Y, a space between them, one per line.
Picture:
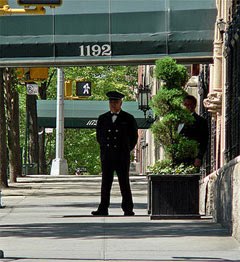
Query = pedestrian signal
x=40 y=2
x=83 y=88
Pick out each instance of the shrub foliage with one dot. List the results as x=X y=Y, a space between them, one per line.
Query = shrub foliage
x=168 y=107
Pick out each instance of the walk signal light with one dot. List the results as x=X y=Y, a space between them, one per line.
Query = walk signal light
x=40 y=2
x=83 y=88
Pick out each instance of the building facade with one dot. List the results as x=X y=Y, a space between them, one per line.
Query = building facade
x=217 y=88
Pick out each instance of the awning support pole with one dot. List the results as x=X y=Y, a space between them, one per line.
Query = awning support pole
x=59 y=164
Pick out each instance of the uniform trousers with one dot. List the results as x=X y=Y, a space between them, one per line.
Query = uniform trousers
x=111 y=161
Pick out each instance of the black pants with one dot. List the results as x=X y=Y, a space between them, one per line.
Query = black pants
x=120 y=164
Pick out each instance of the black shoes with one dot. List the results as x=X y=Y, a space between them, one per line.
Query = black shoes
x=100 y=213
x=129 y=213
x=105 y=213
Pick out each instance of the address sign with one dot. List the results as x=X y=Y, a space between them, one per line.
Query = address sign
x=95 y=50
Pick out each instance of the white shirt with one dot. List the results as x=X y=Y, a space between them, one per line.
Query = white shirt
x=114 y=116
x=180 y=127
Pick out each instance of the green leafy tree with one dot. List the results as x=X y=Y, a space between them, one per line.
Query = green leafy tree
x=168 y=108
x=3 y=136
x=81 y=149
x=80 y=145
x=12 y=117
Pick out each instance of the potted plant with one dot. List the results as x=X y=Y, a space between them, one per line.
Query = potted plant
x=173 y=184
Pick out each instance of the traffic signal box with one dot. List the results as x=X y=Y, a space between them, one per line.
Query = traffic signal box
x=39 y=73
x=20 y=73
x=40 y=2
x=36 y=74
x=68 y=89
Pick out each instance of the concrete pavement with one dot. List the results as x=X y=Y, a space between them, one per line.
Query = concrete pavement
x=47 y=218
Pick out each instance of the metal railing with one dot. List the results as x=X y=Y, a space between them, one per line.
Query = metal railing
x=203 y=87
x=232 y=54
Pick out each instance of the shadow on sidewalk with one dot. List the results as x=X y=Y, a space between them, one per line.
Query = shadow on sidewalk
x=106 y=227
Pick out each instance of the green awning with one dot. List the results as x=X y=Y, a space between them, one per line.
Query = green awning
x=81 y=32
x=84 y=114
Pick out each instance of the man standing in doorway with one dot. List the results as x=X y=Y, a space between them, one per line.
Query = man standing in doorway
x=117 y=134
x=197 y=131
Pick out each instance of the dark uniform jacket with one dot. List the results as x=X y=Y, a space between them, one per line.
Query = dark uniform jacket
x=117 y=138
x=197 y=131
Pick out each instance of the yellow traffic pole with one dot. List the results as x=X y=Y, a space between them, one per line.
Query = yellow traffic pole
x=5 y=9
x=3 y=2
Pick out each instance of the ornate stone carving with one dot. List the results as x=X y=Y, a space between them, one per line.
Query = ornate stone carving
x=213 y=103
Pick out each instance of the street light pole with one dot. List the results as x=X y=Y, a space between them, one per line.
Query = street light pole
x=144 y=93
x=59 y=164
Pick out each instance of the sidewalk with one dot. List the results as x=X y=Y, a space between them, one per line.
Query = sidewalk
x=48 y=218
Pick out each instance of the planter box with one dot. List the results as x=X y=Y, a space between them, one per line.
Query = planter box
x=173 y=196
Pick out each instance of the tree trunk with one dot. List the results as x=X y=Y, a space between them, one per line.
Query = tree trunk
x=33 y=147
x=12 y=108
x=42 y=153
x=3 y=138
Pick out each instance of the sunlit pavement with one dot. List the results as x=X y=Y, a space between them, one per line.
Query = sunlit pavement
x=47 y=218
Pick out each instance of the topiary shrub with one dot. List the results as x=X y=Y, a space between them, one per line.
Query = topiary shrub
x=168 y=107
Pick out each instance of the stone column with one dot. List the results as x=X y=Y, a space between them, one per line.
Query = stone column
x=214 y=100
